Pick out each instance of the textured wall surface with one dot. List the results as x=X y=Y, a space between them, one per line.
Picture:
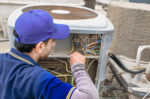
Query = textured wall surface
x=132 y=28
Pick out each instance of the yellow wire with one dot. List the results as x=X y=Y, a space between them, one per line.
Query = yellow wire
x=90 y=64
x=65 y=65
x=82 y=39
x=59 y=74
x=91 y=43
x=72 y=48
x=90 y=51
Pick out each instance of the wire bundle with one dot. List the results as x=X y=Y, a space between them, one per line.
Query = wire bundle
x=86 y=44
x=61 y=69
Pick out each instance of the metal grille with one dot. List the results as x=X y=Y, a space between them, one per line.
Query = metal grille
x=75 y=13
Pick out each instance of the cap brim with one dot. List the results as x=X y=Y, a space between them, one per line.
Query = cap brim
x=61 y=32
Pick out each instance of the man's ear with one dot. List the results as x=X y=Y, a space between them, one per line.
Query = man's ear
x=39 y=47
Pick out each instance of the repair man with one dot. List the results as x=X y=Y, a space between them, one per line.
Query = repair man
x=20 y=75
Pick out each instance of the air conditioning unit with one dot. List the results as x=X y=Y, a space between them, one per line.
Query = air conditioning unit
x=91 y=34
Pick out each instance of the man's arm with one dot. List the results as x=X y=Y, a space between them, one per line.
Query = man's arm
x=85 y=87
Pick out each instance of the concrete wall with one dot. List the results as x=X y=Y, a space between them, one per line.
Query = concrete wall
x=131 y=22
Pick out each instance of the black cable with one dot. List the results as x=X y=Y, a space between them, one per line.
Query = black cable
x=122 y=84
x=117 y=77
x=112 y=56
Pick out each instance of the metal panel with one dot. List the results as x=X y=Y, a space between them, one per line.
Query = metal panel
x=101 y=71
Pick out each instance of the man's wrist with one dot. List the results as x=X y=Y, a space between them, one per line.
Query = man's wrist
x=77 y=66
x=77 y=63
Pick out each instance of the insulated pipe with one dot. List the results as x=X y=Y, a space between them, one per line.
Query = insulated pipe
x=139 y=52
x=118 y=62
x=122 y=84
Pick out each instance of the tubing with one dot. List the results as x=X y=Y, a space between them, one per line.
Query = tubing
x=122 y=84
x=112 y=56
x=117 y=76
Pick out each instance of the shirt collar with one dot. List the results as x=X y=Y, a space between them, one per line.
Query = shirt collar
x=25 y=56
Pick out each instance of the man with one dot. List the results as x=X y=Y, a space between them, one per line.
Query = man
x=20 y=75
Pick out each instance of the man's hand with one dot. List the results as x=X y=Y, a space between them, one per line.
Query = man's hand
x=76 y=57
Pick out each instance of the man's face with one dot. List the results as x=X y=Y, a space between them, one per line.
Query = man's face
x=47 y=48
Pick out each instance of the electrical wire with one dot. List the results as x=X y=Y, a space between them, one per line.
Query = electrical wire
x=72 y=80
x=90 y=64
x=72 y=48
x=90 y=52
x=138 y=68
x=93 y=43
x=83 y=40
x=85 y=44
x=114 y=71
x=66 y=65
x=113 y=57
x=125 y=86
x=59 y=74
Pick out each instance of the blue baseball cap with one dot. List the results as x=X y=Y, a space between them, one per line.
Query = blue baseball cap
x=37 y=25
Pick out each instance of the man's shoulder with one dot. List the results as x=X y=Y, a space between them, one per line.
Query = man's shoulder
x=34 y=69
x=3 y=54
x=35 y=74
x=37 y=71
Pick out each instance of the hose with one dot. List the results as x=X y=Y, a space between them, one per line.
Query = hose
x=122 y=84
x=113 y=57
x=117 y=76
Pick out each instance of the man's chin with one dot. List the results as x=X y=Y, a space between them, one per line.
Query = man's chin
x=43 y=58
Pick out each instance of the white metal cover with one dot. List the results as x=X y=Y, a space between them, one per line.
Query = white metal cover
x=97 y=24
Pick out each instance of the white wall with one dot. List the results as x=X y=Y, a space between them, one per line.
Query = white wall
x=7 y=9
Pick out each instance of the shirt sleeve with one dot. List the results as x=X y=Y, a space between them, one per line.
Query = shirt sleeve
x=50 y=87
x=85 y=87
